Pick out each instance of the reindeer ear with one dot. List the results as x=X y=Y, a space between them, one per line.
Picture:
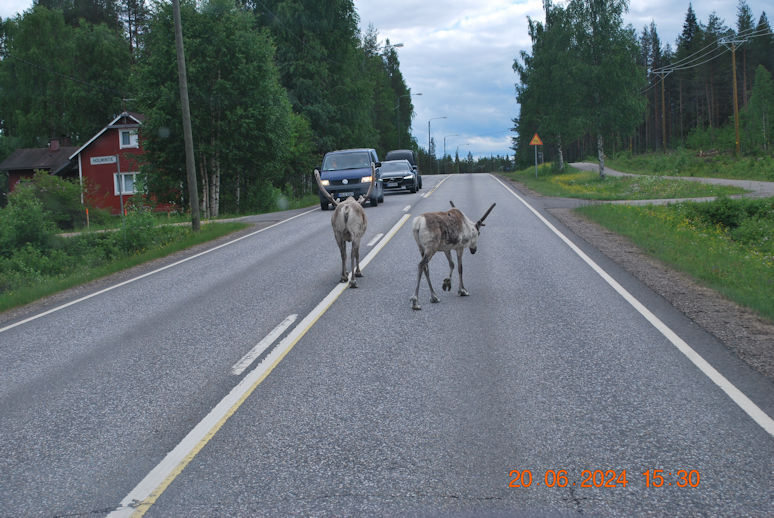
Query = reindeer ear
x=452 y=204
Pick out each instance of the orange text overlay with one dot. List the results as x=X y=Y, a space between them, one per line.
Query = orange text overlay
x=610 y=478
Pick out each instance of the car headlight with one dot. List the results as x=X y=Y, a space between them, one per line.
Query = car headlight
x=365 y=179
x=325 y=182
x=409 y=177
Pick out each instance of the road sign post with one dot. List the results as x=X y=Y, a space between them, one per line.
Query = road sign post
x=535 y=142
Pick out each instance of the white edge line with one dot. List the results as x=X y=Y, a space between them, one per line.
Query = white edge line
x=153 y=485
x=148 y=274
x=240 y=366
x=736 y=395
x=376 y=238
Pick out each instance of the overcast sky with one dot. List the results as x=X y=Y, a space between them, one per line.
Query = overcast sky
x=459 y=54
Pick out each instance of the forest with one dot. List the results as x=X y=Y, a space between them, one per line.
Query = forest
x=273 y=84
x=592 y=86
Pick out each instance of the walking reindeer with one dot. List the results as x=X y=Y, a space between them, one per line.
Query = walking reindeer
x=444 y=231
x=349 y=224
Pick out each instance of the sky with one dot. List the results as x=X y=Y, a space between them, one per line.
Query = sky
x=459 y=55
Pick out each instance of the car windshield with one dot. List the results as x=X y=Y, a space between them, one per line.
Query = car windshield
x=389 y=167
x=346 y=161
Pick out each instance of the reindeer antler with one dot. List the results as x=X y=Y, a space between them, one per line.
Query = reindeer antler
x=323 y=190
x=480 y=222
x=362 y=198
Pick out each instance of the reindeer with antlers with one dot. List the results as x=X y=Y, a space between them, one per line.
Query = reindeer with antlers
x=349 y=224
x=444 y=231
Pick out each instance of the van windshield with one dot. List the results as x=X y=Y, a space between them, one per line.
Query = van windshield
x=346 y=161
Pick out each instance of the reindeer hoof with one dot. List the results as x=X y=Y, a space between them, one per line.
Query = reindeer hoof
x=414 y=305
x=446 y=284
x=352 y=284
x=434 y=299
x=463 y=293
x=358 y=273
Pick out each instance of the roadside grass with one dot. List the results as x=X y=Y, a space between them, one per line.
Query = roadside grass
x=727 y=245
x=110 y=222
x=32 y=274
x=575 y=183
x=683 y=162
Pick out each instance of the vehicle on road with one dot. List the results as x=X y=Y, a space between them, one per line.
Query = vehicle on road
x=398 y=174
x=347 y=172
x=405 y=154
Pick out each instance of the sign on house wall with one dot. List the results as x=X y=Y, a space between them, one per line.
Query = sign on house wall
x=98 y=160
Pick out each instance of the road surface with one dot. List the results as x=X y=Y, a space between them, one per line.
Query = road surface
x=560 y=386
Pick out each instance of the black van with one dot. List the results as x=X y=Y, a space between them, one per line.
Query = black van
x=405 y=154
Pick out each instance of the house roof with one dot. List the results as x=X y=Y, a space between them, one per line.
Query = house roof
x=38 y=158
x=133 y=120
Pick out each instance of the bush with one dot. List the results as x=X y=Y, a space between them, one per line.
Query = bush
x=24 y=222
x=60 y=198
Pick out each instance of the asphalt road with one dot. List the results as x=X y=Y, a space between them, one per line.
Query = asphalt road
x=545 y=378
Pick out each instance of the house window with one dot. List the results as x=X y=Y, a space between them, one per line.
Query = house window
x=128 y=138
x=124 y=183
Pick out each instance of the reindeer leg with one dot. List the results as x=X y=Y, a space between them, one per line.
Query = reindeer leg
x=355 y=260
x=423 y=268
x=356 y=252
x=343 y=250
x=447 y=281
x=462 y=292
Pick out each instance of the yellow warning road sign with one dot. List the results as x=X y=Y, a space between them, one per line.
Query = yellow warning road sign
x=535 y=141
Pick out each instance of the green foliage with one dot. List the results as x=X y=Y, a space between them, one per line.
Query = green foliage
x=683 y=162
x=59 y=79
x=60 y=198
x=758 y=115
x=241 y=118
x=574 y=183
x=24 y=221
x=582 y=76
x=30 y=272
x=736 y=262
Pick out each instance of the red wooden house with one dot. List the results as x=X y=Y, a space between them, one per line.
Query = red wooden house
x=110 y=162
x=23 y=163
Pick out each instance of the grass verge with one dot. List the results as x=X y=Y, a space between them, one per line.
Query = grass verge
x=689 y=163
x=575 y=183
x=735 y=258
x=84 y=269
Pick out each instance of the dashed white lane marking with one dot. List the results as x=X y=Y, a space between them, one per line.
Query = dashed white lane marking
x=736 y=395
x=375 y=240
x=150 y=488
x=407 y=208
x=240 y=366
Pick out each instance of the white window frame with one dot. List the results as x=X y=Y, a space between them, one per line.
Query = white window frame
x=133 y=139
x=123 y=186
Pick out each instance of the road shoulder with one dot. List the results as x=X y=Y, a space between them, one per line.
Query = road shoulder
x=749 y=336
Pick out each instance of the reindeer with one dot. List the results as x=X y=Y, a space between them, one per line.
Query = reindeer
x=349 y=224
x=444 y=231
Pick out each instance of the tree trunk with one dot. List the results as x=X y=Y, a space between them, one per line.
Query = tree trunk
x=205 y=202
x=601 y=154
x=560 y=155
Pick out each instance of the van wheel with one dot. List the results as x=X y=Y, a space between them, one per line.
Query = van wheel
x=323 y=205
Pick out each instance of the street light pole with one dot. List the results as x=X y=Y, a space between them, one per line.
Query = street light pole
x=429 y=138
x=397 y=114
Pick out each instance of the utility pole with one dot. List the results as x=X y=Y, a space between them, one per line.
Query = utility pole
x=190 y=164
x=733 y=43
x=664 y=73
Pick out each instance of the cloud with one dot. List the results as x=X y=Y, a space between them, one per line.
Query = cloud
x=459 y=54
